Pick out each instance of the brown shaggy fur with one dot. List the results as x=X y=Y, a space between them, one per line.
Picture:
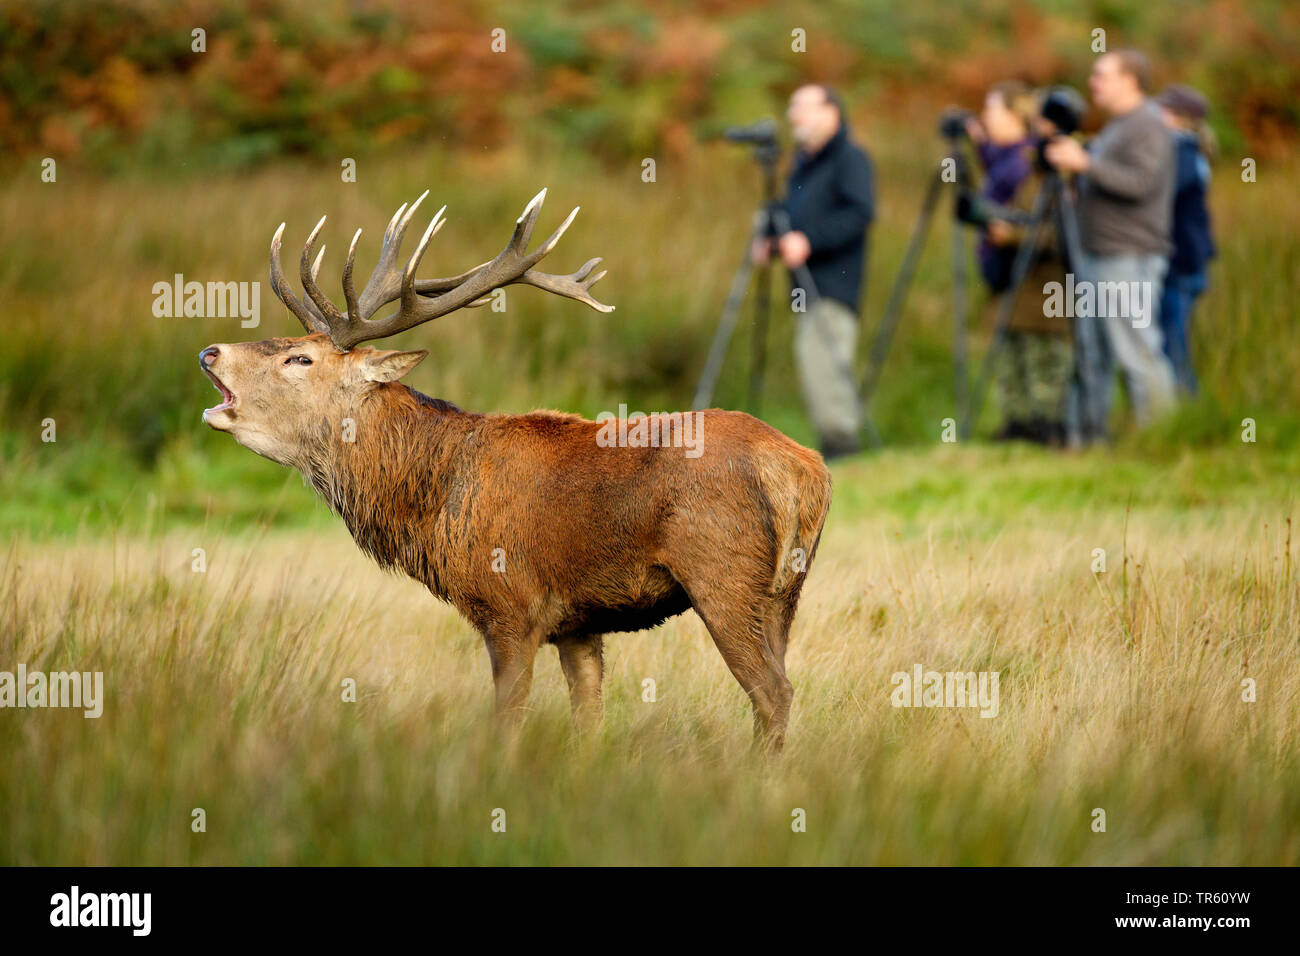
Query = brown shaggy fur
x=537 y=534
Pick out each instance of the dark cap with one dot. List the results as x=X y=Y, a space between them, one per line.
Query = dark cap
x=1184 y=101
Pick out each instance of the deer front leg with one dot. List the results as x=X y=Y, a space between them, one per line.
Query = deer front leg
x=512 y=652
x=582 y=660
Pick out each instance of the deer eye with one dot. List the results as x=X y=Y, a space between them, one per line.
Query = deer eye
x=300 y=359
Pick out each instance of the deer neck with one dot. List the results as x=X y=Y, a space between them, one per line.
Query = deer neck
x=390 y=482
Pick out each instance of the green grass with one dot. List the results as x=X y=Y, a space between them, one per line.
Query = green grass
x=61 y=489
x=1119 y=691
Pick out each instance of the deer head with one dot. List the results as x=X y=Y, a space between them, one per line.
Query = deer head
x=282 y=397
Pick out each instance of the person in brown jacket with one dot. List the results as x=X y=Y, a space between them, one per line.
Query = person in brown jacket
x=1036 y=360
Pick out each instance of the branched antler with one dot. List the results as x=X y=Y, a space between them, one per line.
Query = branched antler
x=422 y=300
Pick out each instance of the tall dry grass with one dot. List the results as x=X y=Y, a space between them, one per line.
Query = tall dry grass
x=1120 y=691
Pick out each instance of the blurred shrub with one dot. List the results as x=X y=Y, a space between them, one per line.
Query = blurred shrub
x=115 y=81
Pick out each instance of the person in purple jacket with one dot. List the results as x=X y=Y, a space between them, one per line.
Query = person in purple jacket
x=1184 y=110
x=1037 y=358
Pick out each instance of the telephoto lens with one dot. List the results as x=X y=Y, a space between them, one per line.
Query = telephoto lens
x=952 y=122
x=1064 y=108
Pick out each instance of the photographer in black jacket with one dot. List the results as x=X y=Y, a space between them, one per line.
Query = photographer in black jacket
x=830 y=201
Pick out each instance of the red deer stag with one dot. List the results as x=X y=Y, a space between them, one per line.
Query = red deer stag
x=539 y=528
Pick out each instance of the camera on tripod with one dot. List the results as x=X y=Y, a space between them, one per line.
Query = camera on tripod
x=759 y=133
x=1063 y=107
x=770 y=221
x=952 y=122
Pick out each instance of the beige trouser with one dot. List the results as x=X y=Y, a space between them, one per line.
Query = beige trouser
x=825 y=342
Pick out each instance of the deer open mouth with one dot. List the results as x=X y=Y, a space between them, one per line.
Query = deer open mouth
x=228 y=397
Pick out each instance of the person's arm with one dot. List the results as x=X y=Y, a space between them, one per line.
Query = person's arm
x=854 y=211
x=1008 y=234
x=1132 y=168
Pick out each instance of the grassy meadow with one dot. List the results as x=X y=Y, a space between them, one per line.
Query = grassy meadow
x=1120 y=690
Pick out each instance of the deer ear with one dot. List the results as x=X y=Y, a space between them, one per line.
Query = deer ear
x=390 y=366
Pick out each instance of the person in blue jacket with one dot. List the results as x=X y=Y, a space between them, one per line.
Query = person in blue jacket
x=831 y=202
x=1184 y=110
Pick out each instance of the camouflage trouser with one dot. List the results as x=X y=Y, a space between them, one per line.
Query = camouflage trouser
x=1034 y=372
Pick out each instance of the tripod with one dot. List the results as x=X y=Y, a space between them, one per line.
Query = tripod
x=770 y=221
x=1052 y=199
x=956 y=161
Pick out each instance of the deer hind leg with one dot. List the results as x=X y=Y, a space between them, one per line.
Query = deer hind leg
x=740 y=627
x=512 y=652
x=582 y=660
x=779 y=616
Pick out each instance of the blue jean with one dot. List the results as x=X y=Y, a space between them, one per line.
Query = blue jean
x=1117 y=330
x=1180 y=294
